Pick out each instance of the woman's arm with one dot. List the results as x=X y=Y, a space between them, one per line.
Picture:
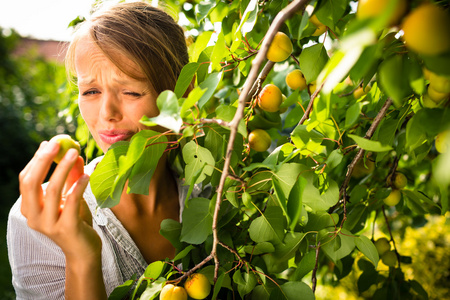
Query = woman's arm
x=61 y=214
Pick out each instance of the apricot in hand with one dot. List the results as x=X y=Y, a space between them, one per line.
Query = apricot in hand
x=270 y=98
x=259 y=140
x=173 y=292
x=280 y=48
x=65 y=143
x=197 y=286
x=295 y=80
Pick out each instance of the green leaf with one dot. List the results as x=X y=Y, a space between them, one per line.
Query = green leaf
x=169 y=116
x=197 y=158
x=292 y=290
x=154 y=270
x=197 y=221
x=312 y=60
x=289 y=247
x=209 y=84
x=246 y=282
x=104 y=175
x=347 y=244
x=171 y=230
x=369 y=145
x=220 y=51
x=393 y=78
x=306 y=265
x=352 y=114
x=367 y=248
x=183 y=253
x=260 y=248
x=122 y=290
x=184 y=80
x=269 y=227
x=295 y=203
x=153 y=289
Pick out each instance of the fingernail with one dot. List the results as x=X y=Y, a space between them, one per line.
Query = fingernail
x=50 y=147
x=71 y=154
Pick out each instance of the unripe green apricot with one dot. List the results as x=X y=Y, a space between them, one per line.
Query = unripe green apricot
x=400 y=181
x=389 y=258
x=65 y=143
x=382 y=245
x=197 y=286
x=442 y=142
x=393 y=198
x=440 y=83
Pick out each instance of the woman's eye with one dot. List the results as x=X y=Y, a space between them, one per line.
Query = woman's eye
x=90 y=92
x=133 y=94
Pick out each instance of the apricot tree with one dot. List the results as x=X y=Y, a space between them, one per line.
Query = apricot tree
x=267 y=223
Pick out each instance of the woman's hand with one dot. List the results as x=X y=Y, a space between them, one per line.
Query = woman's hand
x=60 y=211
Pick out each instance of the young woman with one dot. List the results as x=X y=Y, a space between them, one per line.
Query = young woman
x=122 y=59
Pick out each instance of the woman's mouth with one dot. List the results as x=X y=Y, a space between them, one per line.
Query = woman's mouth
x=116 y=135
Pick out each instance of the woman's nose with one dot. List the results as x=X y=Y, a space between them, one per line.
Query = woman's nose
x=111 y=108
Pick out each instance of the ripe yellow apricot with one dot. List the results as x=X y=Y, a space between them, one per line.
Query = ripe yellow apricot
x=426 y=30
x=442 y=142
x=295 y=80
x=197 y=286
x=374 y=8
x=360 y=91
x=173 y=292
x=436 y=96
x=259 y=140
x=400 y=180
x=65 y=143
x=280 y=48
x=321 y=28
x=382 y=245
x=270 y=98
x=440 y=83
x=389 y=258
x=393 y=199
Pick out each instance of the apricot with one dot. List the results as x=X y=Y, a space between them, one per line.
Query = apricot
x=428 y=102
x=389 y=258
x=442 y=142
x=173 y=292
x=360 y=170
x=382 y=245
x=400 y=180
x=280 y=48
x=374 y=8
x=440 y=84
x=435 y=95
x=321 y=28
x=393 y=198
x=65 y=143
x=426 y=30
x=360 y=91
x=197 y=286
x=270 y=98
x=295 y=80
x=259 y=140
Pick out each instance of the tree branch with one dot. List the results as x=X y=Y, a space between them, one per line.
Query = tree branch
x=390 y=234
x=280 y=18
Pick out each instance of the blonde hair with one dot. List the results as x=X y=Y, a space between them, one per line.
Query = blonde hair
x=146 y=35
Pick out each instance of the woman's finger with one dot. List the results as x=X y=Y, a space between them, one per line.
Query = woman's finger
x=32 y=177
x=71 y=209
x=53 y=193
x=74 y=174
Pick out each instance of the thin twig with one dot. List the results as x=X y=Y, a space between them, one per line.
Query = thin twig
x=314 y=271
x=280 y=18
x=310 y=105
x=390 y=234
x=214 y=121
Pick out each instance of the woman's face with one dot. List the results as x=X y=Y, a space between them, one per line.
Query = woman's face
x=111 y=103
